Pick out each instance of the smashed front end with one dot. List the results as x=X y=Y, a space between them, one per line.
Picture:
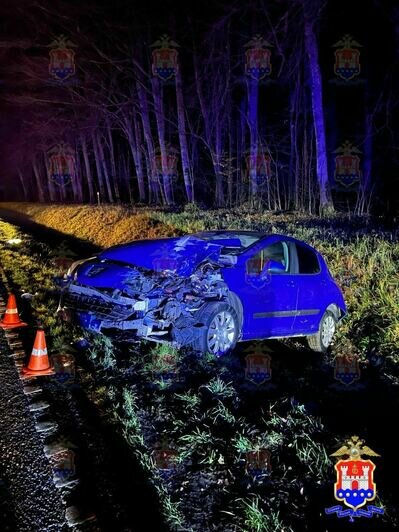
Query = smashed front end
x=155 y=305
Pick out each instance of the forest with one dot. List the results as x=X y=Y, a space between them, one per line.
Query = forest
x=283 y=105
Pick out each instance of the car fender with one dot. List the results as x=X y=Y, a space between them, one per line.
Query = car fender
x=235 y=302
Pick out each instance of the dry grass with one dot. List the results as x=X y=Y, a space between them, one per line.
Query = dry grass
x=103 y=226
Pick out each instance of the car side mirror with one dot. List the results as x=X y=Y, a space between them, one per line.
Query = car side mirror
x=273 y=266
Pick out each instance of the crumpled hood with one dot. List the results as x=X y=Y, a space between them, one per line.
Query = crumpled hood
x=180 y=255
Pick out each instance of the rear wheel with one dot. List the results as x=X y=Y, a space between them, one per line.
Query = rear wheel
x=322 y=339
x=219 y=329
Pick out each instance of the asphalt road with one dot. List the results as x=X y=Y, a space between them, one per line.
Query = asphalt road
x=32 y=500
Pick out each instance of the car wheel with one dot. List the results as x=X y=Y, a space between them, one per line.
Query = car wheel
x=322 y=339
x=219 y=329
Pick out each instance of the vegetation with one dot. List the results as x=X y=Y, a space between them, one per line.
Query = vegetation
x=209 y=416
x=361 y=256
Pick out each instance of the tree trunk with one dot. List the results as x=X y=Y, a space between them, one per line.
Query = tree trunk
x=124 y=164
x=75 y=192
x=185 y=159
x=24 y=190
x=101 y=190
x=137 y=156
x=112 y=159
x=253 y=89
x=104 y=169
x=144 y=113
x=157 y=94
x=230 y=161
x=39 y=184
x=78 y=176
x=86 y=160
x=318 y=117
x=217 y=164
x=363 y=198
x=50 y=182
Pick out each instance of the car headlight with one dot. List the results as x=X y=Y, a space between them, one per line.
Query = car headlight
x=73 y=267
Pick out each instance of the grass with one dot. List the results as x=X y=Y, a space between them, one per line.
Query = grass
x=363 y=258
x=103 y=226
x=258 y=520
x=208 y=418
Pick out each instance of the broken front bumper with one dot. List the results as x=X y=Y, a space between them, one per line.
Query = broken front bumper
x=96 y=311
x=161 y=307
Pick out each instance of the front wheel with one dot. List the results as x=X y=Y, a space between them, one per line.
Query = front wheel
x=219 y=329
x=320 y=341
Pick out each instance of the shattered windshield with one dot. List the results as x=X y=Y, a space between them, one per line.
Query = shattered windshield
x=233 y=242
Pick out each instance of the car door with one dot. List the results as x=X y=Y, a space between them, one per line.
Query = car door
x=270 y=298
x=311 y=290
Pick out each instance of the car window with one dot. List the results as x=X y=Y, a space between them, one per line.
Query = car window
x=232 y=239
x=307 y=260
x=277 y=252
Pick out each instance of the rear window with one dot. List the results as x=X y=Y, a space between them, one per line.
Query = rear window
x=307 y=260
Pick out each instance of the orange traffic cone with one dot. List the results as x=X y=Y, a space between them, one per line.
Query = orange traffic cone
x=11 y=318
x=39 y=362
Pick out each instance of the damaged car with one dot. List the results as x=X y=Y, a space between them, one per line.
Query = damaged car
x=208 y=290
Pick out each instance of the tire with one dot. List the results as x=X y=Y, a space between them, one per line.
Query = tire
x=320 y=341
x=214 y=317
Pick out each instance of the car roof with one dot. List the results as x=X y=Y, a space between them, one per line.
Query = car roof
x=259 y=234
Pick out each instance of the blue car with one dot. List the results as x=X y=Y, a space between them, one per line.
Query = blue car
x=208 y=290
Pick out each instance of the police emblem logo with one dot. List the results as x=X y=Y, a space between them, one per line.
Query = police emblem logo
x=164 y=457
x=258 y=366
x=165 y=260
x=62 y=257
x=258 y=463
x=62 y=59
x=165 y=364
x=63 y=464
x=64 y=367
x=346 y=369
x=164 y=58
x=347 y=58
x=61 y=164
x=347 y=165
x=257 y=58
x=258 y=169
x=257 y=272
x=355 y=485
x=166 y=164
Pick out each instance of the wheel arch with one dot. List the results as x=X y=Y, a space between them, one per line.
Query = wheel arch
x=336 y=311
x=235 y=302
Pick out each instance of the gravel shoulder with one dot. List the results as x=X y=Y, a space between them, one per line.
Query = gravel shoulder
x=24 y=469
